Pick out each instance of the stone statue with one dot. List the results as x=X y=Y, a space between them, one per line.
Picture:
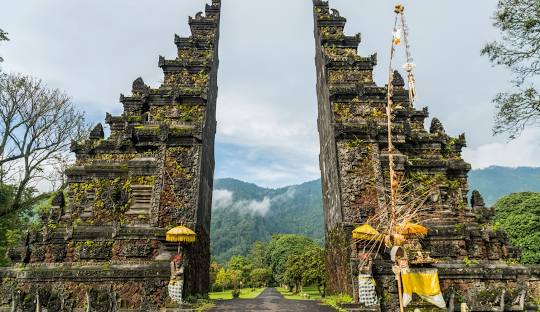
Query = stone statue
x=176 y=284
x=366 y=284
x=177 y=267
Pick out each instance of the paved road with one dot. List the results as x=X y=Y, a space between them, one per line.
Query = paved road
x=271 y=300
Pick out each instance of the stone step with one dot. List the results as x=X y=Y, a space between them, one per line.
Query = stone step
x=138 y=212
x=142 y=187
x=142 y=205
x=141 y=194
x=136 y=195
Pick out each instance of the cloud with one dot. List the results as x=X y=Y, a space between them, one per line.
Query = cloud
x=522 y=151
x=221 y=199
x=224 y=199
x=255 y=207
x=283 y=197
x=267 y=106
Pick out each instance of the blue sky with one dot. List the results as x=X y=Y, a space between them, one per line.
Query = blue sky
x=267 y=109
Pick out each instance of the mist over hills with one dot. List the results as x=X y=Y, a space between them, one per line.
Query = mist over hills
x=244 y=213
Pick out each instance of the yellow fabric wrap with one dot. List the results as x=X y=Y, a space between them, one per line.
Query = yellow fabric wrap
x=423 y=282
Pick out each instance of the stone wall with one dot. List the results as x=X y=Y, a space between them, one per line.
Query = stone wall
x=354 y=165
x=103 y=244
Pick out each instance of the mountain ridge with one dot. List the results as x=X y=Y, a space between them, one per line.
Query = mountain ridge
x=244 y=212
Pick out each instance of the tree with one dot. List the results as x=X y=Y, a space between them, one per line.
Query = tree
x=293 y=273
x=215 y=267
x=223 y=279
x=314 y=272
x=306 y=269
x=243 y=266
x=261 y=277
x=519 y=215
x=281 y=247
x=37 y=125
x=258 y=255
x=3 y=37
x=14 y=225
x=518 y=50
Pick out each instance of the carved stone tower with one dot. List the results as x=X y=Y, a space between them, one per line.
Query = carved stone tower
x=104 y=245
x=354 y=167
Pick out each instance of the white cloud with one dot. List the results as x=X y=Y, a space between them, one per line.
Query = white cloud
x=221 y=199
x=274 y=145
x=255 y=207
x=224 y=199
x=289 y=194
x=523 y=151
x=259 y=123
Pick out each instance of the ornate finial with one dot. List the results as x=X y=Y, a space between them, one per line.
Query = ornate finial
x=108 y=118
x=373 y=58
x=398 y=9
x=139 y=85
x=57 y=207
x=335 y=13
x=477 y=200
x=436 y=126
x=462 y=140
x=59 y=200
x=320 y=3
x=97 y=133
x=397 y=80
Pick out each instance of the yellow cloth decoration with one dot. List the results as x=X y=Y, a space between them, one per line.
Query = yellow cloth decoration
x=424 y=283
x=181 y=234
x=366 y=232
x=412 y=229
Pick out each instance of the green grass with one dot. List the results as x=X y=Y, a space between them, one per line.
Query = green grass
x=245 y=293
x=335 y=300
x=309 y=290
x=205 y=306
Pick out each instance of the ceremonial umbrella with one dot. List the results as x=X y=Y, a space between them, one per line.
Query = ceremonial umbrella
x=409 y=228
x=181 y=234
x=366 y=232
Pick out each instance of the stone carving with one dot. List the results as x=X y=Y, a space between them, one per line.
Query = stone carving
x=436 y=126
x=398 y=80
x=138 y=85
x=97 y=133
x=57 y=208
x=477 y=200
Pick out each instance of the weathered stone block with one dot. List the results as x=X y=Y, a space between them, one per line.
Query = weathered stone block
x=94 y=250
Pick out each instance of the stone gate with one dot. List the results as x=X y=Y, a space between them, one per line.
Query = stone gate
x=104 y=247
x=470 y=254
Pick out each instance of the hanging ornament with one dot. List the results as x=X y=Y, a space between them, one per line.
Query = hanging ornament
x=397 y=36
x=408 y=67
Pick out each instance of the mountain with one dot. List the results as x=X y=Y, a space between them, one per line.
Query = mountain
x=244 y=213
x=496 y=182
